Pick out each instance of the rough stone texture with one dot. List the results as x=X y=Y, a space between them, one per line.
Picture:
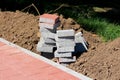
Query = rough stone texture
x=46 y=41
x=49 y=40
x=45 y=47
x=65 y=33
x=67 y=59
x=65 y=39
x=62 y=44
x=64 y=64
x=62 y=54
x=48 y=35
x=65 y=49
x=79 y=36
x=48 y=49
x=48 y=28
x=43 y=29
x=80 y=42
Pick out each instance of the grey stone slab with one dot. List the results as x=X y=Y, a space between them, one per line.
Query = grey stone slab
x=41 y=41
x=63 y=54
x=64 y=64
x=65 y=49
x=44 y=42
x=41 y=47
x=49 y=26
x=65 y=44
x=45 y=49
x=48 y=35
x=80 y=36
x=49 y=40
x=49 y=45
x=67 y=59
x=38 y=47
x=43 y=29
x=80 y=39
x=64 y=39
x=65 y=33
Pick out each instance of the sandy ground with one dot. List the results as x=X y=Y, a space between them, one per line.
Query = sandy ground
x=101 y=62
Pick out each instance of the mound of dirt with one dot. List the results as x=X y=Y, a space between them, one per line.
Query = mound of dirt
x=19 y=28
x=101 y=62
x=104 y=63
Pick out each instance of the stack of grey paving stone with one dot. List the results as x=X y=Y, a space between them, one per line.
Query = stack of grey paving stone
x=65 y=42
x=48 y=24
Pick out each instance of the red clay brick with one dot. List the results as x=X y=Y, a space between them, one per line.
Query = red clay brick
x=49 y=18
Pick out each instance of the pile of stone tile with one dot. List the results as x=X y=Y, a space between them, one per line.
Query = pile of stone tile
x=65 y=42
x=48 y=24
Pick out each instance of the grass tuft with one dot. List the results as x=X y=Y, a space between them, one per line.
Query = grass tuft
x=91 y=21
x=108 y=31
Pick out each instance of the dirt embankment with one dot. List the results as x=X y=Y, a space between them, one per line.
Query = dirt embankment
x=19 y=28
x=101 y=62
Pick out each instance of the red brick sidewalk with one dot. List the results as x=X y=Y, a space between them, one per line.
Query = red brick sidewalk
x=15 y=64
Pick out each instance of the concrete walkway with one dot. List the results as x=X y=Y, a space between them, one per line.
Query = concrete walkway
x=17 y=63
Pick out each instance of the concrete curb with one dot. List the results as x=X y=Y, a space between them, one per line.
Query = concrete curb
x=70 y=71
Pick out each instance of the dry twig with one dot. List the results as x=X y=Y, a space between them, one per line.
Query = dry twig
x=31 y=5
x=62 y=5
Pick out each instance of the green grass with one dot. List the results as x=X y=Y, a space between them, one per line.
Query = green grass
x=108 y=31
x=85 y=16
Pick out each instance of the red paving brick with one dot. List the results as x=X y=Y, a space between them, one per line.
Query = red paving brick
x=16 y=65
x=1 y=44
x=49 y=16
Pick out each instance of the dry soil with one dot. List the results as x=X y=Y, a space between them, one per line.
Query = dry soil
x=101 y=62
